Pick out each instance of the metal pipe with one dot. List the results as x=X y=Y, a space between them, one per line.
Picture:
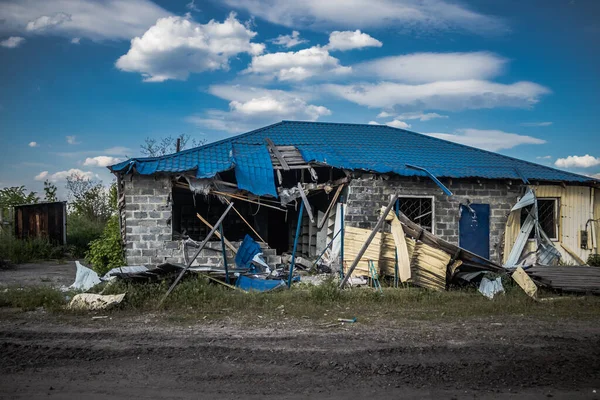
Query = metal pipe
x=298 y=227
x=433 y=178
x=341 y=238
x=224 y=253
x=204 y=242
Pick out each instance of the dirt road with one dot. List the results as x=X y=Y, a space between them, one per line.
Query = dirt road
x=72 y=357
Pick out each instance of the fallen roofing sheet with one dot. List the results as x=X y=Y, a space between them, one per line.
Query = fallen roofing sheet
x=582 y=279
x=378 y=148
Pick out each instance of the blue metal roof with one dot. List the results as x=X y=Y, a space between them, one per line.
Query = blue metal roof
x=377 y=148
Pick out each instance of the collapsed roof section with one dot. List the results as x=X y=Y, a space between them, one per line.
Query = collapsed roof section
x=376 y=148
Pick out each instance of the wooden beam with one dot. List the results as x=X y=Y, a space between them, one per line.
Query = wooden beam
x=306 y=204
x=364 y=247
x=202 y=245
x=333 y=201
x=277 y=154
x=573 y=254
x=218 y=234
x=247 y=223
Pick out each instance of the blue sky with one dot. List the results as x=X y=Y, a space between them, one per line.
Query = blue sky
x=83 y=83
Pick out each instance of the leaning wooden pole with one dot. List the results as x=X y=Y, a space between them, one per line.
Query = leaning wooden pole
x=364 y=247
x=204 y=242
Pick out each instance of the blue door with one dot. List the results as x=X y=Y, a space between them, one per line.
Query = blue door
x=474 y=229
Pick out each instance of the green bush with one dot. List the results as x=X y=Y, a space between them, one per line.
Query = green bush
x=26 y=250
x=81 y=231
x=594 y=260
x=106 y=252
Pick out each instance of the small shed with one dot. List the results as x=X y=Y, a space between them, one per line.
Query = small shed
x=43 y=220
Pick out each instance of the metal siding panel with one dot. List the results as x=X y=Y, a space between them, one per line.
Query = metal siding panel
x=574 y=212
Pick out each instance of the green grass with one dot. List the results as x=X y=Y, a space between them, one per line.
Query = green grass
x=27 y=250
x=197 y=298
x=30 y=298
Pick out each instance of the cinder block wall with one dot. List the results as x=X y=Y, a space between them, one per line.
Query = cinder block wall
x=368 y=193
x=148 y=232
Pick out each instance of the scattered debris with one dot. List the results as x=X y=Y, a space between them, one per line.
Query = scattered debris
x=490 y=288
x=347 y=320
x=525 y=282
x=85 y=278
x=92 y=301
x=578 y=279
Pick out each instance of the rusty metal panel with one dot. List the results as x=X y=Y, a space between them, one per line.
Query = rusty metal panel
x=43 y=220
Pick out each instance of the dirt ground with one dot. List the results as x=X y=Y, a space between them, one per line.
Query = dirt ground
x=134 y=356
x=50 y=273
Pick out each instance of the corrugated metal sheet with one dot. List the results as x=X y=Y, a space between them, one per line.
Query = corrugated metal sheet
x=376 y=148
x=575 y=209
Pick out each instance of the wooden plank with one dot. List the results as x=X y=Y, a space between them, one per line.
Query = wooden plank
x=293 y=167
x=277 y=154
x=573 y=254
x=306 y=203
x=227 y=242
x=331 y=204
x=247 y=223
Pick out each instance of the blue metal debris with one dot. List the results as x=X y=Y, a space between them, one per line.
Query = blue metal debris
x=377 y=148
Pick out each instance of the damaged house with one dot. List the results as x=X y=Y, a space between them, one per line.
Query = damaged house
x=342 y=175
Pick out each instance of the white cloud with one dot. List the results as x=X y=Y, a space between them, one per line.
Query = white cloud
x=101 y=161
x=492 y=140
x=289 y=40
x=251 y=107
x=421 y=116
x=177 y=46
x=92 y=19
x=192 y=6
x=12 y=42
x=75 y=40
x=348 y=40
x=596 y=176
x=33 y=144
x=398 y=124
x=431 y=67
x=63 y=175
x=451 y=95
x=586 y=161
x=393 y=123
x=385 y=114
x=536 y=124
x=41 y=176
x=297 y=66
x=47 y=21
x=72 y=139
x=543 y=157
x=407 y=14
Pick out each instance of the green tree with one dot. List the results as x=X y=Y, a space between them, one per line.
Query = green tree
x=88 y=199
x=16 y=196
x=50 y=191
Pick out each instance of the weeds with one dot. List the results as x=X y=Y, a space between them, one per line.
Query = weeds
x=197 y=296
x=26 y=250
x=31 y=298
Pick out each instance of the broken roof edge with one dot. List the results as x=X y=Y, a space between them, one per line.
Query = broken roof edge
x=578 y=178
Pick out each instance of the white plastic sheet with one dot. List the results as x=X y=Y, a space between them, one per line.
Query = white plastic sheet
x=85 y=278
x=490 y=288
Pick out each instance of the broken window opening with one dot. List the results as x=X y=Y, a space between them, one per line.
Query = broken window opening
x=419 y=210
x=547 y=217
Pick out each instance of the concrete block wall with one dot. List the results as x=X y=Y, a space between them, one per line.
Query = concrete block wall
x=367 y=193
x=148 y=232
